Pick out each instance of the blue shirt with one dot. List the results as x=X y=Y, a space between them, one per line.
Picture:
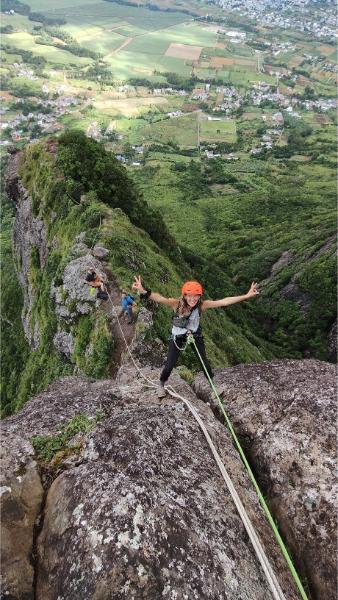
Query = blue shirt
x=127 y=301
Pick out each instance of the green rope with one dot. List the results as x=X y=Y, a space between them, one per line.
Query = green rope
x=253 y=479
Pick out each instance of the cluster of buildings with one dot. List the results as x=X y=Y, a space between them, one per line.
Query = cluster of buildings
x=231 y=101
x=175 y=113
x=268 y=140
x=23 y=71
x=26 y=127
x=236 y=37
x=298 y=15
x=168 y=91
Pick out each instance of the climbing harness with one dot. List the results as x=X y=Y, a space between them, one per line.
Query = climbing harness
x=182 y=348
x=253 y=479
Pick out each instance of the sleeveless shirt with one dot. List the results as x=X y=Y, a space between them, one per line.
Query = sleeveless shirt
x=193 y=324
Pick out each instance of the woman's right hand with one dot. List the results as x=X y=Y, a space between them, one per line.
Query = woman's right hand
x=137 y=285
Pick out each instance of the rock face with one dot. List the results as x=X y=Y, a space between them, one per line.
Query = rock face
x=64 y=342
x=293 y=292
x=29 y=235
x=285 y=412
x=74 y=298
x=20 y=503
x=142 y=512
x=148 y=351
x=100 y=252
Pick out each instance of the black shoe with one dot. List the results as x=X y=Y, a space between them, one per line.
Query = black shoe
x=102 y=295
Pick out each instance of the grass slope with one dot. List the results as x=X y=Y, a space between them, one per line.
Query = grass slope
x=132 y=251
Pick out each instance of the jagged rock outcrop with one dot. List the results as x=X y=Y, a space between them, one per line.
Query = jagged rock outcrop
x=100 y=252
x=64 y=342
x=29 y=234
x=142 y=511
x=285 y=413
x=73 y=297
x=20 y=504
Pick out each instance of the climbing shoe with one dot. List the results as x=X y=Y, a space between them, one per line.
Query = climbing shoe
x=161 y=393
x=102 y=295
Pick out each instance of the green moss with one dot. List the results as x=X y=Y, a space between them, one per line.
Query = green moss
x=94 y=345
x=46 y=447
x=14 y=348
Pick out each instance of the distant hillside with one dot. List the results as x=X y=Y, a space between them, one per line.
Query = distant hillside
x=270 y=221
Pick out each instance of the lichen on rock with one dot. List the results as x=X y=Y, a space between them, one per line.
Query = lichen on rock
x=285 y=414
x=144 y=512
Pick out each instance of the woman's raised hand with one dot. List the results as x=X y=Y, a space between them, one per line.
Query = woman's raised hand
x=137 y=285
x=253 y=291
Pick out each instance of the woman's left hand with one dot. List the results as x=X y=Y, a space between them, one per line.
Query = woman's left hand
x=253 y=291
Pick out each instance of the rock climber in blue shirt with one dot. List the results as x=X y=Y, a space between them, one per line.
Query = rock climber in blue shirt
x=127 y=303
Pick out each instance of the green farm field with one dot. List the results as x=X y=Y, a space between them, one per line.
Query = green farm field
x=106 y=13
x=133 y=41
x=179 y=130
x=218 y=131
x=25 y=41
x=18 y=22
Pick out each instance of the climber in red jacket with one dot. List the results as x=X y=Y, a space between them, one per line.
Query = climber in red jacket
x=186 y=320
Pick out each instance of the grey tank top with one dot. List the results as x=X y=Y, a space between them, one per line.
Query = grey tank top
x=193 y=324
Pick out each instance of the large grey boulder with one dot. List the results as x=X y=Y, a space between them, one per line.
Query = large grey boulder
x=64 y=342
x=285 y=414
x=100 y=252
x=74 y=297
x=20 y=503
x=144 y=512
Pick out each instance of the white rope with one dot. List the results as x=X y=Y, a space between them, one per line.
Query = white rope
x=263 y=559
x=256 y=543
x=153 y=384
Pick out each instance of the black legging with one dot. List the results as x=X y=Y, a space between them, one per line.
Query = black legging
x=174 y=352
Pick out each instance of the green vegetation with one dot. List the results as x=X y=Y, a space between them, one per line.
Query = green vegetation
x=49 y=448
x=54 y=36
x=90 y=167
x=241 y=231
x=225 y=220
x=24 y=9
x=14 y=347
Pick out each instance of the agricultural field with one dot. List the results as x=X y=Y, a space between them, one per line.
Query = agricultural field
x=218 y=131
x=25 y=41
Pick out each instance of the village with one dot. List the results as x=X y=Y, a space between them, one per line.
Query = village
x=229 y=100
x=291 y=15
x=27 y=118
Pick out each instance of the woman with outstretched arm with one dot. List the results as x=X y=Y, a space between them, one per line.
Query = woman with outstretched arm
x=186 y=320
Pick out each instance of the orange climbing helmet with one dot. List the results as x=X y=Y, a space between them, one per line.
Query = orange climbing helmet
x=192 y=288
